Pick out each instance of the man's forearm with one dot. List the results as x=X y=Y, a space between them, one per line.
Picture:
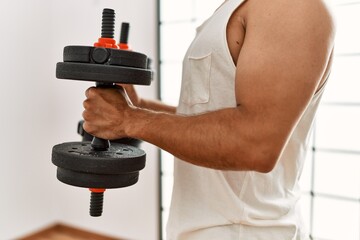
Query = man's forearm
x=229 y=139
x=220 y=140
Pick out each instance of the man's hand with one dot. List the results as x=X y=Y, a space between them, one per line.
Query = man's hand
x=105 y=112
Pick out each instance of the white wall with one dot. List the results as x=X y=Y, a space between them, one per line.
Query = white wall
x=39 y=111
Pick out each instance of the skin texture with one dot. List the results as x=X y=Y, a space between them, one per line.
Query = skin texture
x=282 y=50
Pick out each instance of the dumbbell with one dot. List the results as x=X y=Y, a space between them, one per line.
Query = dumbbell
x=99 y=164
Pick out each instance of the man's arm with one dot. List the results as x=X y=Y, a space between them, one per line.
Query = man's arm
x=284 y=56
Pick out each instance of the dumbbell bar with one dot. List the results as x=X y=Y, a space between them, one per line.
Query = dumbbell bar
x=88 y=137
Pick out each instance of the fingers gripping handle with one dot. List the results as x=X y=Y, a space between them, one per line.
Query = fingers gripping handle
x=99 y=144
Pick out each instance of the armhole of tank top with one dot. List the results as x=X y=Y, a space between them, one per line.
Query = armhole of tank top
x=225 y=31
x=321 y=88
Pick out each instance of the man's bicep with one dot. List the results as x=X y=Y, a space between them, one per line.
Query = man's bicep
x=282 y=61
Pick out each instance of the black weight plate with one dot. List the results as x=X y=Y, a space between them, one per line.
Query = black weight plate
x=128 y=58
x=84 y=54
x=103 y=73
x=80 y=157
x=77 y=54
x=89 y=180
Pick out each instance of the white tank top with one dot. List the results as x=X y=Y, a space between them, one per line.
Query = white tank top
x=211 y=204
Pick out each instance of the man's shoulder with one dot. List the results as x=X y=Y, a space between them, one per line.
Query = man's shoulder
x=289 y=8
x=314 y=14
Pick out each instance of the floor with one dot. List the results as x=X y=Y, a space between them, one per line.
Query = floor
x=64 y=232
